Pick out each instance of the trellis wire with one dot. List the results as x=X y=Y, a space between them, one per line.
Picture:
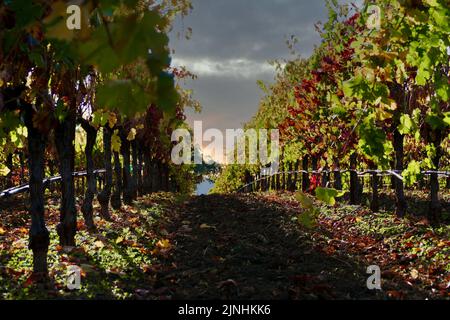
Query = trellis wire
x=379 y=173
x=23 y=188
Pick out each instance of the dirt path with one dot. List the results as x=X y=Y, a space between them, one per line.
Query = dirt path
x=238 y=247
x=232 y=247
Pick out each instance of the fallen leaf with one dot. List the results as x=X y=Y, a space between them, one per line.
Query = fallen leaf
x=163 y=244
x=414 y=274
x=205 y=226
x=99 y=244
x=119 y=240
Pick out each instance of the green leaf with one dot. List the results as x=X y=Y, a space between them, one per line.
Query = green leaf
x=336 y=105
x=406 y=124
x=355 y=87
x=442 y=87
x=123 y=95
x=135 y=37
x=328 y=195
x=411 y=173
x=447 y=118
x=167 y=95
x=423 y=73
x=26 y=12
x=435 y=122
x=308 y=218
x=304 y=200
x=100 y=118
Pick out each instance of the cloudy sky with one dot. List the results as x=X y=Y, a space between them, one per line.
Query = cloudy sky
x=232 y=41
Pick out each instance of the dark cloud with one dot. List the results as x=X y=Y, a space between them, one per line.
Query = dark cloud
x=252 y=29
x=231 y=43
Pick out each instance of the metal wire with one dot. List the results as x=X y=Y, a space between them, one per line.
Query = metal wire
x=23 y=188
x=379 y=173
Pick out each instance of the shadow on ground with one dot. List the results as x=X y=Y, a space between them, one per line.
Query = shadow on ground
x=238 y=247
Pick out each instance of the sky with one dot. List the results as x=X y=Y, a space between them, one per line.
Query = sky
x=231 y=44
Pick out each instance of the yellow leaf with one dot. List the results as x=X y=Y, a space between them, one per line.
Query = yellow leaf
x=205 y=226
x=382 y=114
x=119 y=240
x=131 y=134
x=4 y=170
x=23 y=230
x=442 y=244
x=414 y=274
x=99 y=244
x=2 y=231
x=115 y=141
x=163 y=244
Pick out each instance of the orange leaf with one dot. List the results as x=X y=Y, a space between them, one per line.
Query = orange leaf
x=163 y=244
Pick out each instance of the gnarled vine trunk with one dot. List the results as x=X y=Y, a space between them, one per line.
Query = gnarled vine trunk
x=401 y=204
x=39 y=239
x=140 y=182
x=155 y=176
x=116 y=198
x=87 y=208
x=305 y=175
x=9 y=176
x=148 y=174
x=105 y=195
x=22 y=167
x=135 y=164
x=126 y=176
x=375 y=203
x=435 y=204
x=354 y=183
x=314 y=166
x=289 y=177
x=337 y=178
x=325 y=177
x=294 y=183
x=64 y=137
x=399 y=94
